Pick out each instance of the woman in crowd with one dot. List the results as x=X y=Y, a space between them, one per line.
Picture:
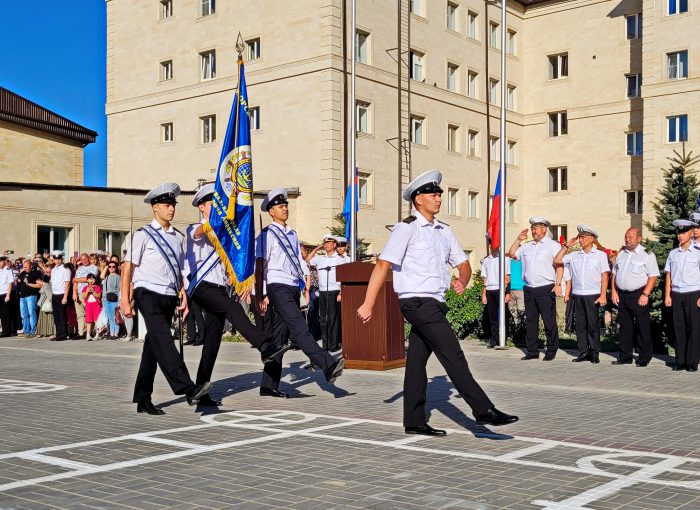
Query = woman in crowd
x=92 y=297
x=111 y=296
x=30 y=281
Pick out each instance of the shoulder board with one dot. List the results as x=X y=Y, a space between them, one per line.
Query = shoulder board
x=265 y=229
x=176 y=230
x=139 y=229
x=696 y=247
x=410 y=219
x=443 y=223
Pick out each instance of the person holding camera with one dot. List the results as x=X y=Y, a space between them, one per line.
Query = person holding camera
x=85 y=266
x=30 y=282
x=92 y=297
x=110 y=298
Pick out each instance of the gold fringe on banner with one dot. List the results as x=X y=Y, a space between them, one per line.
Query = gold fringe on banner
x=233 y=281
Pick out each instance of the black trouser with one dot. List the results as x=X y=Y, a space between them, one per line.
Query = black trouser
x=686 y=324
x=7 y=315
x=312 y=318
x=272 y=371
x=541 y=302
x=492 y=301
x=289 y=323
x=430 y=332
x=329 y=310
x=219 y=306
x=195 y=323
x=159 y=348
x=629 y=311
x=587 y=323
x=59 y=316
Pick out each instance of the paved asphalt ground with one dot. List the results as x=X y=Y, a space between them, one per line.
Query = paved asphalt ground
x=589 y=436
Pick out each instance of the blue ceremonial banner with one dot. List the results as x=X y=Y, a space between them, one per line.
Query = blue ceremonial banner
x=347 y=208
x=231 y=227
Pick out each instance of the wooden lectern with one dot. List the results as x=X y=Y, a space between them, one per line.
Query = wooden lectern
x=379 y=344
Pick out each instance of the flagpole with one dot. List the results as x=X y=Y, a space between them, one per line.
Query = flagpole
x=504 y=187
x=353 y=137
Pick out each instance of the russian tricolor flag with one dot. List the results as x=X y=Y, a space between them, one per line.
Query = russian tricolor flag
x=494 y=225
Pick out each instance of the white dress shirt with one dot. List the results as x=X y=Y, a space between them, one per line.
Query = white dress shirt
x=538 y=261
x=151 y=271
x=587 y=271
x=278 y=268
x=490 y=270
x=324 y=261
x=632 y=269
x=59 y=276
x=419 y=253
x=684 y=266
x=200 y=256
x=7 y=278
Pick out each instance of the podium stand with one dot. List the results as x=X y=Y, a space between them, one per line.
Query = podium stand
x=379 y=344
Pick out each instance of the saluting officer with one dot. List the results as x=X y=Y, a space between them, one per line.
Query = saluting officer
x=682 y=293
x=207 y=287
x=589 y=270
x=285 y=274
x=542 y=284
x=153 y=263
x=418 y=250
x=634 y=275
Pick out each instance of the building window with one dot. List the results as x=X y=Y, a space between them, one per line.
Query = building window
x=511 y=97
x=559 y=233
x=254 y=116
x=207 y=8
x=557 y=179
x=362 y=47
x=417 y=7
x=493 y=91
x=166 y=9
x=634 y=201
x=495 y=148
x=635 y=143
x=678 y=128
x=166 y=70
x=473 y=143
x=493 y=34
x=634 y=26
x=472 y=25
x=558 y=124
x=511 y=153
x=472 y=84
x=417 y=135
x=207 y=61
x=677 y=7
x=208 y=128
x=510 y=210
x=363 y=118
x=112 y=241
x=452 y=138
x=166 y=132
x=364 y=188
x=451 y=22
x=634 y=85
x=512 y=47
x=453 y=201
x=558 y=66
x=677 y=65
x=50 y=238
x=473 y=204
x=453 y=77
x=417 y=65
x=254 y=50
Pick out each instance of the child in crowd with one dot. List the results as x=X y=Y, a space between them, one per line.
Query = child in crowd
x=92 y=297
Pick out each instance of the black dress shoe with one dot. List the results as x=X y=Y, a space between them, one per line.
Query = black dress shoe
x=148 y=408
x=581 y=357
x=271 y=392
x=618 y=362
x=198 y=392
x=594 y=357
x=273 y=352
x=691 y=368
x=641 y=363
x=495 y=417
x=206 y=400
x=425 y=430
x=530 y=356
x=549 y=356
x=679 y=367
x=335 y=371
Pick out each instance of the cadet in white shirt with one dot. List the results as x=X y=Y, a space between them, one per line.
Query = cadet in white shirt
x=342 y=247
x=589 y=269
x=542 y=285
x=695 y=218
x=418 y=251
x=491 y=295
x=60 y=286
x=634 y=275
x=682 y=294
x=153 y=263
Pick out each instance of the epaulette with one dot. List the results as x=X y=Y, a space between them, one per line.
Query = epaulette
x=410 y=219
x=443 y=223
x=176 y=230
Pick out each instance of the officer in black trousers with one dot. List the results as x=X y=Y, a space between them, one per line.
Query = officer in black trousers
x=195 y=325
x=208 y=289
x=418 y=250
x=153 y=263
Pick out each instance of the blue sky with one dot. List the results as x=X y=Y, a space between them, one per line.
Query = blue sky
x=54 y=54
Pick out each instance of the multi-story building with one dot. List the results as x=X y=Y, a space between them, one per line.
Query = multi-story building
x=586 y=138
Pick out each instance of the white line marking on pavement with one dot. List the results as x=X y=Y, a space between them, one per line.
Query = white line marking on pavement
x=169 y=442
x=11 y=386
x=524 y=452
x=56 y=461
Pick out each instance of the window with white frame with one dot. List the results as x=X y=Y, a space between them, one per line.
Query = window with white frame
x=677 y=128
x=557 y=179
x=473 y=204
x=451 y=21
x=364 y=188
x=558 y=124
x=473 y=143
x=472 y=84
x=493 y=34
x=677 y=63
x=254 y=48
x=363 y=117
x=634 y=85
x=362 y=47
x=417 y=7
x=254 y=116
x=452 y=77
x=634 y=26
x=49 y=238
x=510 y=210
x=207 y=62
x=166 y=9
x=495 y=148
x=166 y=132
x=493 y=91
x=559 y=232
x=207 y=7
x=166 y=70
x=416 y=59
x=635 y=143
x=634 y=201
x=453 y=201
x=512 y=42
x=511 y=153
x=558 y=66
x=112 y=241
x=452 y=138
x=417 y=134
x=207 y=129
x=510 y=97
x=677 y=7
x=472 y=25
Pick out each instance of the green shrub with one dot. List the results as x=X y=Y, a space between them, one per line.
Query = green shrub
x=465 y=312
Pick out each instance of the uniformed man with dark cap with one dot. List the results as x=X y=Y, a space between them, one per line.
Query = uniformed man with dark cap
x=589 y=269
x=208 y=288
x=342 y=248
x=153 y=262
x=418 y=251
x=682 y=294
x=542 y=284
x=284 y=275
x=695 y=218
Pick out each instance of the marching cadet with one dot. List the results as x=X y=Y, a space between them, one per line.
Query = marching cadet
x=589 y=270
x=208 y=289
x=418 y=250
x=542 y=284
x=490 y=296
x=634 y=275
x=284 y=276
x=682 y=294
x=153 y=263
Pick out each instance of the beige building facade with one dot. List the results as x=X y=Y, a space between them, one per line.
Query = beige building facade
x=589 y=95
